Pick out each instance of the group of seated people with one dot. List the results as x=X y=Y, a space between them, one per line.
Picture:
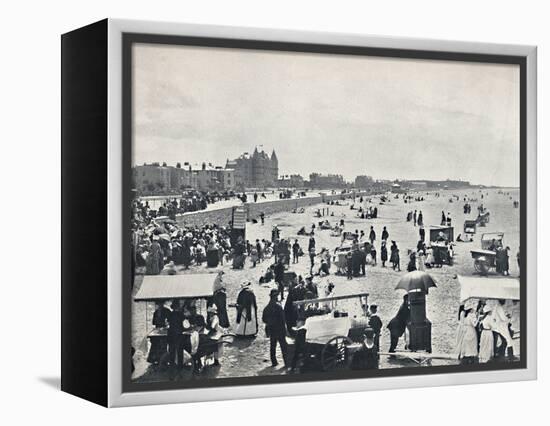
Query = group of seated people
x=432 y=256
x=182 y=336
x=368 y=212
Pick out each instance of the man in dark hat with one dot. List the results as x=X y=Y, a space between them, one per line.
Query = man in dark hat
x=385 y=234
x=174 y=334
x=279 y=272
x=274 y=318
x=375 y=323
x=372 y=235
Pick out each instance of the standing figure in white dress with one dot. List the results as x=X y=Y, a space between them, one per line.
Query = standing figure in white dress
x=468 y=349
x=486 y=340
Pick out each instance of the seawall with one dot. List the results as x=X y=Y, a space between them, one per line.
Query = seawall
x=221 y=217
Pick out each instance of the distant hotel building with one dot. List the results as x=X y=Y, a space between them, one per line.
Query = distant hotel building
x=317 y=180
x=363 y=181
x=290 y=181
x=258 y=170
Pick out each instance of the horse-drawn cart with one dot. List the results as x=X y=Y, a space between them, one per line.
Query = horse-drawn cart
x=485 y=258
x=332 y=335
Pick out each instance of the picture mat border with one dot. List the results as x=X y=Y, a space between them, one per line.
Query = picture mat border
x=123 y=392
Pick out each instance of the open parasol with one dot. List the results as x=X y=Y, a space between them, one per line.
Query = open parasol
x=416 y=280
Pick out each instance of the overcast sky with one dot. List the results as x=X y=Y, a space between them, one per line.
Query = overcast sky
x=388 y=118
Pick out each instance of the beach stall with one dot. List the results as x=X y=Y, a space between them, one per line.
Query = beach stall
x=238 y=224
x=191 y=289
x=491 y=291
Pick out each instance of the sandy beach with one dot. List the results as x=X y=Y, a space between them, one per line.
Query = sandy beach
x=250 y=357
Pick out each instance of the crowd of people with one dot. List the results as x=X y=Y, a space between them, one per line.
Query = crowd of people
x=484 y=332
x=189 y=201
x=159 y=243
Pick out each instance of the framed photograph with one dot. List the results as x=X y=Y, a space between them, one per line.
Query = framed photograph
x=252 y=212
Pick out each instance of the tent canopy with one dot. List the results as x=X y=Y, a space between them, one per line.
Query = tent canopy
x=159 y=287
x=488 y=288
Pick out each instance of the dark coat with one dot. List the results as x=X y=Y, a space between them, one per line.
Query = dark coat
x=398 y=324
x=160 y=317
x=175 y=323
x=376 y=324
x=365 y=358
x=394 y=254
x=220 y=300
x=384 y=253
x=274 y=318
x=279 y=271
x=246 y=300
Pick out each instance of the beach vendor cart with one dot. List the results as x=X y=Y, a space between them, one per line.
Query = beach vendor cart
x=485 y=258
x=492 y=292
x=191 y=290
x=441 y=233
x=339 y=258
x=441 y=238
x=334 y=330
x=483 y=217
x=470 y=227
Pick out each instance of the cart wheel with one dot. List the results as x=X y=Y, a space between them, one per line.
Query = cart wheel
x=334 y=354
x=481 y=267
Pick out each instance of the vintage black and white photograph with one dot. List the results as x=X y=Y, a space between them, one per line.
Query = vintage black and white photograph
x=306 y=215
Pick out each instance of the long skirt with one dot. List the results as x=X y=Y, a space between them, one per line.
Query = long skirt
x=247 y=328
x=212 y=258
x=154 y=264
x=238 y=261
x=158 y=349
x=468 y=346
x=486 y=342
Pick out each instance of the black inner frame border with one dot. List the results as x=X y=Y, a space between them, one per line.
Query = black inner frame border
x=129 y=39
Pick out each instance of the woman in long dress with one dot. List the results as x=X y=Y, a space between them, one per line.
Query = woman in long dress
x=468 y=349
x=220 y=300
x=421 y=263
x=394 y=256
x=384 y=253
x=247 y=312
x=155 y=258
x=486 y=340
